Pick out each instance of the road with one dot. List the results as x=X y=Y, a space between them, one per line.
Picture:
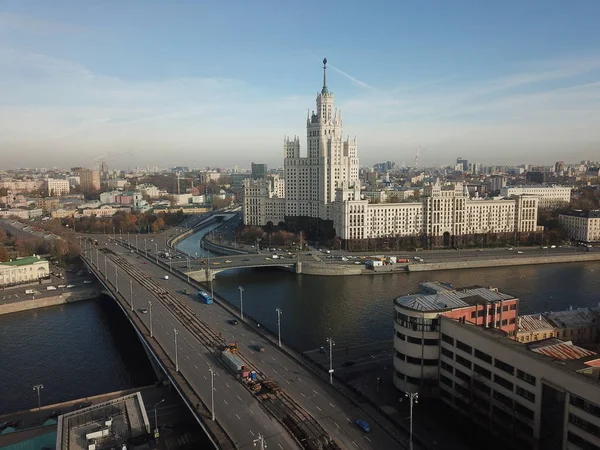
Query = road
x=240 y=412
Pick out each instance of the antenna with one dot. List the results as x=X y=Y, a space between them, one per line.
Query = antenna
x=417 y=153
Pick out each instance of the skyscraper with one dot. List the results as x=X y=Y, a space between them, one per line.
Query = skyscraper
x=259 y=171
x=89 y=180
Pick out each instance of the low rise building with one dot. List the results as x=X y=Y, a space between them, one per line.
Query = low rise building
x=551 y=196
x=47 y=204
x=21 y=213
x=534 y=327
x=581 y=226
x=23 y=270
x=104 y=210
x=62 y=213
x=185 y=209
x=57 y=187
x=150 y=190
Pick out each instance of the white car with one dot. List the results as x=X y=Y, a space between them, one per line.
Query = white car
x=87 y=282
x=62 y=285
x=143 y=310
x=69 y=286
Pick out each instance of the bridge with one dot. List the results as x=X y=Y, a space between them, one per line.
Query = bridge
x=295 y=407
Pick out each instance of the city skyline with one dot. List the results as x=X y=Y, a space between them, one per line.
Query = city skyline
x=86 y=83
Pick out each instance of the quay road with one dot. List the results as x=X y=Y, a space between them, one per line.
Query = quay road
x=238 y=412
x=219 y=263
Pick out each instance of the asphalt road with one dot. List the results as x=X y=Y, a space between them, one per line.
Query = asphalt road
x=236 y=409
x=239 y=411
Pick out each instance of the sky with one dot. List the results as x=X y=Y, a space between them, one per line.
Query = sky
x=218 y=83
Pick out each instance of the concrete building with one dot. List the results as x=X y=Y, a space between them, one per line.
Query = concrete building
x=56 y=187
x=103 y=211
x=47 y=204
x=23 y=270
x=497 y=182
x=543 y=395
x=417 y=332
x=581 y=226
x=549 y=196
x=534 y=327
x=259 y=171
x=116 y=184
x=207 y=177
x=21 y=213
x=89 y=180
x=22 y=186
x=149 y=189
x=323 y=194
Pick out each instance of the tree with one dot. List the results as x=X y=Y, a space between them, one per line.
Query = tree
x=4 y=256
x=158 y=224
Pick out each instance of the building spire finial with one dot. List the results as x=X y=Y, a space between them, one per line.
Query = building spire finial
x=324 y=90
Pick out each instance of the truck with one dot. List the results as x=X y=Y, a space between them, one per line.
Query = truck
x=232 y=361
x=29 y=291
x=275 y=256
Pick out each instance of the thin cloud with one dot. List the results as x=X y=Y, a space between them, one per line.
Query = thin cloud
x=354 y=80
x=20 y=22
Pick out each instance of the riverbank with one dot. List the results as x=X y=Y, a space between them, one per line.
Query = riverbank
x=25 y=304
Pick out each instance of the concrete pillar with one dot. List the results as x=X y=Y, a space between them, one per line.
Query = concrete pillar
x=298 y=267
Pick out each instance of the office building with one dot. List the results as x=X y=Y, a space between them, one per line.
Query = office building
x=259 y=171
x=104 y=170
x=89 y=180
x=56 y=187
x=581 y=226
x=535 y=177
x=549 y=196
x=23 y=270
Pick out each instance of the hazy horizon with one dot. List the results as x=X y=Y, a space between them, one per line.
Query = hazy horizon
x=216 y=85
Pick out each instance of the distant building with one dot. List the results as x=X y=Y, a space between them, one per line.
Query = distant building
x=497 y=182
x=47 y=204
x=56 y=187
x=259 y=171
x=535 y=177
x=23 y=270
x=104 y=170
x=581 y=226
x=549 y=196
x=149 y=189
x=90 y=180
x=207 y=177
x=22 y=186
x=116 y=184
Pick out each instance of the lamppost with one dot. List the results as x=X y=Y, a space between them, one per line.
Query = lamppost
x=131 y=294
x=136 y=243
x=97 y=266
x=114 y=235
x=331 y=344
x=105 y=272
x=241 y=301
x=150 y=305
x=156 y=250
x=37 y=388
x=413 y=398
x=278 y=310
x=212 y=391
x=156 y=417
x=175 y=332
x=260 y=440
x=128 y=243
x=145 y=248
x=116 y=279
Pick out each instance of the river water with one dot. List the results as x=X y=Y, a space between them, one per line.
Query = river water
x=357 y=310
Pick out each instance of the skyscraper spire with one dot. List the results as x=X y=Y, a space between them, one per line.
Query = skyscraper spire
x=324 y=90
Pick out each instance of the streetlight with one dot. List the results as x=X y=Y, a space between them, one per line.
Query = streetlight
x=278 y=310
x=150 y=305
x=241 y=301
x=331 y=344
x=260 y=440
x=156 y=250
x=414 y=398
x=176 y=360
x=37 y=388
x=156 y=416
x=114 y=235
x=136 y=243
x=105 y=272
x=212 y=391
x=145 y=248
x=128 y=243
x=131 y=294
x=116 y=278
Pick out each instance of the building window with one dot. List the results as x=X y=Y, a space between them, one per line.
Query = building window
x=448 y=339
x=483 y=356
x=525 y=394
x=462 y=376
x=463 y=361
x=413 y=360
x=447 y=367
x=435 y=342
x=525 y=376
x=400 y=355
x=504 y=366
x=447 y=353
x=503 y=399
x=481 y=386
x=430 y=362
x=447 y=381
x=400 y=336
x=584 y=425
x=524 y=411
x=581 y=442
x=584 y=405
x=414 y=340
x=503 y=382
x=464 y=347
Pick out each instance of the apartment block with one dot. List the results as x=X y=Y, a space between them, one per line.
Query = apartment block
x=581 y=226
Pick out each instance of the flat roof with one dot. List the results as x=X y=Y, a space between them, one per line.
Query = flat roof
x=110 y=424
x=23 y=261
x=447 y=298
x=592 y=214
x=573 y=318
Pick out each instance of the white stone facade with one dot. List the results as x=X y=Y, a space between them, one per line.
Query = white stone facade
x=581 y=226
x=57 y=187
x=549 y=196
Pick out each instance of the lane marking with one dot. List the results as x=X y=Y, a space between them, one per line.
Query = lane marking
x=355 y=443
x=251 y=432
x=285 y=368
x=274 y=371
x=204 y=376
x=227 y=384
x=273 y=359
x=239 y=418
x=332 y=405
x=280 y=446
x=316 y=393
x=195 y=366
x=251 y=411
x=266 y=427
x=336 y=424
x=348 y=419
x=302 y=393
x=367 y=438
x=300 y=379
x=287 y=382
x=318 y=408
x=239 y=398
x=187 y=356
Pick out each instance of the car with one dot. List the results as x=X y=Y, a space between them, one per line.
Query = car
x=258 y=348
x=553 y=246
x=69 y=286
x=87 y=282
x=363 y=425
x=232 y=321
x=228 y=261
x=348 y=364
x=519 y=252
x=509 y=248
x=143 y=310
x=83 y=405
x=145 y=262
x=62 y=285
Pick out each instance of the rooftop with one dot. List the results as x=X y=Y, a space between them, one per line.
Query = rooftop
x=109 y=425
x=533 y=322
x=592 y=214
x=23 y=261
x=561 y=350
x=436 y=296
x=573 y=318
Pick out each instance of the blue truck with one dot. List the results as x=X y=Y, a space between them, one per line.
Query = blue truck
x=205 y=297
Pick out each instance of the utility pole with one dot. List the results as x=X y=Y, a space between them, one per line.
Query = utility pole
x=278 y=310
x=105 y=273
x=331 y=344
x=131 y=294
x=176 y=360
x=116 y=279
x=37 y=388
x=212 y=391
x=150 y=305
x=156 y=250
x=414 y=398
x=128 y=243
x=156 y=418
x=136 y=244
x=97 y=266
x=241 y=301
x=145 y=247
x=260 y=440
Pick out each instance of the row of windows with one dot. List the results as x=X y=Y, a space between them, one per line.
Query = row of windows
x=417 y=341
x=584 y=425
x=585 y=405
x=416 y=361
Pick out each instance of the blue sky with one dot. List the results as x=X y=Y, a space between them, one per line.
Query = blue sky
x=218 y=83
